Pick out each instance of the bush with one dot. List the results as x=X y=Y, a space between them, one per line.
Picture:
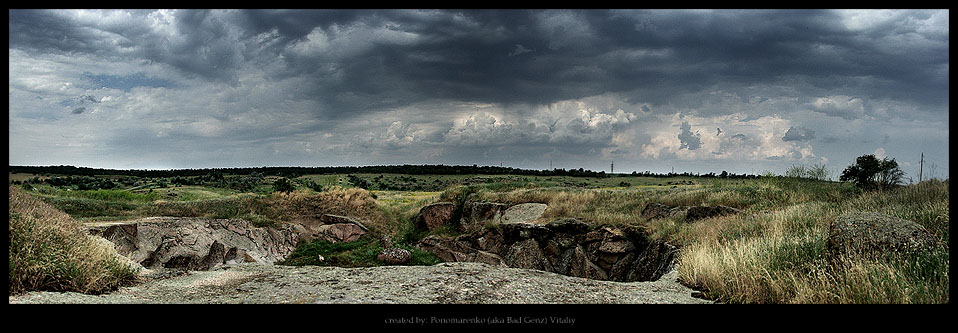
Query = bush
x=283 y=185
x=870 y=173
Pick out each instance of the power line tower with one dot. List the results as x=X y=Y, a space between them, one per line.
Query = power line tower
x=921 y=166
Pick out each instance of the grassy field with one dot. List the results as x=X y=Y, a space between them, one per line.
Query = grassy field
x=773 y=252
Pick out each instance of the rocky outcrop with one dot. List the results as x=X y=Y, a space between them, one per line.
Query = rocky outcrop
x=436 y=215
x=202 y=243
x=566 y=246
x=871 y=232
x=655 y=210
x=197 y=243
x=479 y=214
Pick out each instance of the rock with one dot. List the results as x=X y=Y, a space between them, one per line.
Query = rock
x=655 y=210
x=341 y=232
x=514 y=232
x=527 y=254
x=580 y=266
x=523 y=212
x=489 y=258
x=198 y=243
x=336 y=219
x=568 y=225
x=435 y=215
x=491 y=241
x=394 y=256
x=704 y=212
x=446 y=249
x=617 y=247
x=477 y=214
x=877 y=233
x=654 y=261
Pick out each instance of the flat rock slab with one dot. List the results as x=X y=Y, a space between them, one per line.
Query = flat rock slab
x=445 y=283
x=523 y=212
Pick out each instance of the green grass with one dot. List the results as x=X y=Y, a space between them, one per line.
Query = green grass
x=359 y=253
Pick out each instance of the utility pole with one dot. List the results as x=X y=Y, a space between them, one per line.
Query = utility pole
x=921 y=166
x=612 y=167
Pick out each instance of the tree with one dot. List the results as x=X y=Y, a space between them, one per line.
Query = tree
x=870 y=173
x=283 y=185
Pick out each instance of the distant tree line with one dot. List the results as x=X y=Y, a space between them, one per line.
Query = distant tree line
x=723 y=174
x=211 y=175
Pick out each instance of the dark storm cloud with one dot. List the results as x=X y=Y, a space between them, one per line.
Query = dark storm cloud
x=473 y=55
x=689 y=140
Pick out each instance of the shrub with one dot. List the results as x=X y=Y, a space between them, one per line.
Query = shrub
x=283 y=185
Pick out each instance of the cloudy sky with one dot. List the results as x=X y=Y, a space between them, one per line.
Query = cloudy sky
x=698 y=90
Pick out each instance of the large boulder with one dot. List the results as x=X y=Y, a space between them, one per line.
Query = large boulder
x=703 y=212
x=872 y=232
x=524 y=212
x=435 y=215
x=197 y=243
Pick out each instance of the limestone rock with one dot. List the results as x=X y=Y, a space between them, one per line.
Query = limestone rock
x=877 y=233
x=704 y=212
x=435 y=215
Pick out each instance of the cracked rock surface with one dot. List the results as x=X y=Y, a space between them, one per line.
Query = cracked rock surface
x=443 y=283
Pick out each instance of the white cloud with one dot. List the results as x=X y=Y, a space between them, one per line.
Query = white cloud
x=839 y=106
x=741 y=139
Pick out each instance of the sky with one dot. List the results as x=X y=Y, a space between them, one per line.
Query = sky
x=743 y=91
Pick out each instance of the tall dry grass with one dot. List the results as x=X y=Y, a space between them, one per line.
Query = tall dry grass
x=782 y=256
x=48 y=251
